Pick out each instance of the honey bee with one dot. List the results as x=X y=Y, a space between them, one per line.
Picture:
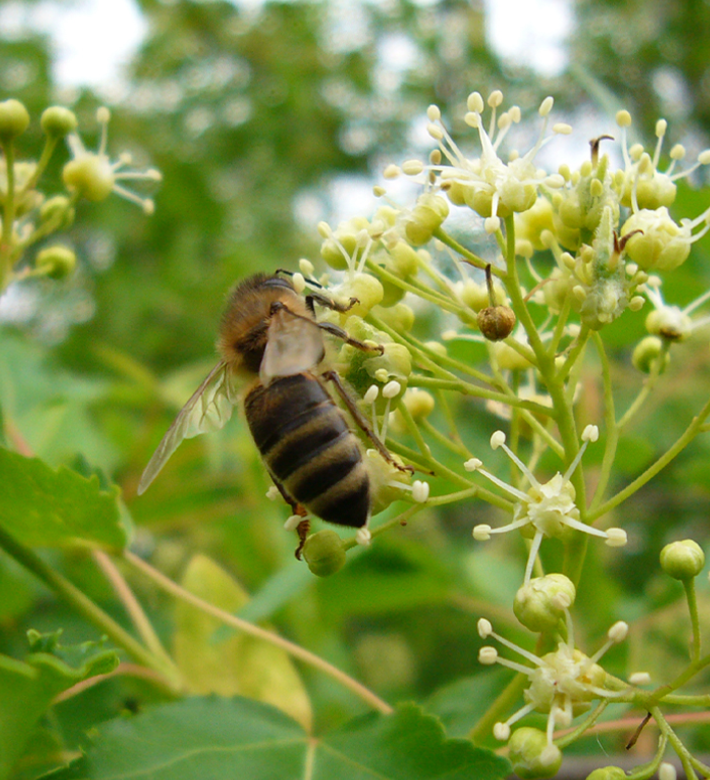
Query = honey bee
x=269 y=333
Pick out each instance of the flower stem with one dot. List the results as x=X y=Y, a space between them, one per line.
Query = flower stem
x=166 y=584
x=689 y=586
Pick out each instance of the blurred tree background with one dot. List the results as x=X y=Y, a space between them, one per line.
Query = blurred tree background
x=262 y=118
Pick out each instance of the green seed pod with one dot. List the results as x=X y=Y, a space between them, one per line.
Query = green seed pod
x=58 y=121
x=539 y=605
x=531 y=756
x=14 y=119
x=56 y=262
x=682 y=560
x=90 y=175
x=324 y=553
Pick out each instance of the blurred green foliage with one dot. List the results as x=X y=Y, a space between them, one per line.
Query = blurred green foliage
x=254 y=117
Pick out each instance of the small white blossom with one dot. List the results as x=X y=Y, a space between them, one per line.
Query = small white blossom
x=561 y=683
x=671 y=322
x=548 y=507
x=95 y=177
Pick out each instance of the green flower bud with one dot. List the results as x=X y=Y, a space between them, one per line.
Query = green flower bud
x=607 y=773
x=14 y=119
x=392 y=294
x=419 y=403
x=58 y=121
x=539 y=604
x=366 y=288
x=682 y=560
x=651 y=192
x=531 y=755
x=324 y=553
x=56 y=262
x=508 y=358
x=91 y=175
x=475 y=295
x=662 y=245
x=647 y=352
x=59 y=208
x=404 y=260
x=400 y=317
x=481 y=201
x=428 y=214
x=530 y=224
x=395 y=363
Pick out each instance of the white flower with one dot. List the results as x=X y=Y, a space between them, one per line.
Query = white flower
x=548 y=507
x=486 y=184
x=671 y=322
x=95 y=177
x=561 y=683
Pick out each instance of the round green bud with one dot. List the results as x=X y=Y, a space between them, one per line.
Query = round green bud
x=481 y=201
x=419 y=403
x=324 y=553
x=531 y=755
x=607 y=773
x=682 y=560
x=394 y=363
x=391 y=294
x=14 y=119
x=670 y=323
x=404 y=260
x=59 y=208
x=333 y=254
x=647 y=352
x=366 y=288
x=56 y=262
x=530 y=224
x=661 y=244
x=400 y=317
x=428 y=214
x=496 y=322
x=540 y=604
x=508 y=358
x=58 y=121
x=90 y=175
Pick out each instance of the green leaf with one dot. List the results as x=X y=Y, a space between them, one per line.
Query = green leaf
x=239 y=664
x=42 y=507
x=203 y=738
x=28 y=687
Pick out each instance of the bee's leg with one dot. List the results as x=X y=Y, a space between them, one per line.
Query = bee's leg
x=302 y=530
x=337 y=331
x=314 y=297
x=361 y=421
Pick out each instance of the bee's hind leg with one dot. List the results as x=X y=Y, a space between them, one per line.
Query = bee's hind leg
x=362 y=423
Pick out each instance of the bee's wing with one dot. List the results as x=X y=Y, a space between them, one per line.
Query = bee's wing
x=294 y=344
x=208 y=409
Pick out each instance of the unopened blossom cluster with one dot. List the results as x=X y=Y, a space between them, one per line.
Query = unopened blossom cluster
x=30 y=216
x=568 y=252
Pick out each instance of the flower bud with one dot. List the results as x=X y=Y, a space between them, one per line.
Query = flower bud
x=58 y=121
x=531 y=755
x=496 y=322
x=59 y=208
x=419 y=403
x=670 y=323
x=404 y=260
x=14 y=119
x=647 y=352
x=682 y=560
x=539 y=604
x=399 y=317
x=530 y=224
x=508 y=358
x=366 y=288
x=607 y=773
x=324 y=553
x=428 y=214
x=661 y=244
x=56 y=262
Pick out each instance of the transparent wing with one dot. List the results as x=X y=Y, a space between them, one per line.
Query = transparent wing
x=208 y=409
x=294 y=344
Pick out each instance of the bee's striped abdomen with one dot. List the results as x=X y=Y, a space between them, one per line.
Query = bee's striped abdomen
x=308 y=447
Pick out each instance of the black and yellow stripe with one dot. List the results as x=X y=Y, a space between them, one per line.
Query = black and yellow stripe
x=309 y=448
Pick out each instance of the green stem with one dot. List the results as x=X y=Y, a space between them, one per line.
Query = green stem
x=445 y=441
x=581 y=729
x=682 y=442
x=49 y=147
x=166 y=584
x=676 y=743
x=8 y=219
x=612 y=431
x=414 y=430
x=689 y=586
x=503 y=703
x=86 y=607
x=645 y=391
x=469 y=256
